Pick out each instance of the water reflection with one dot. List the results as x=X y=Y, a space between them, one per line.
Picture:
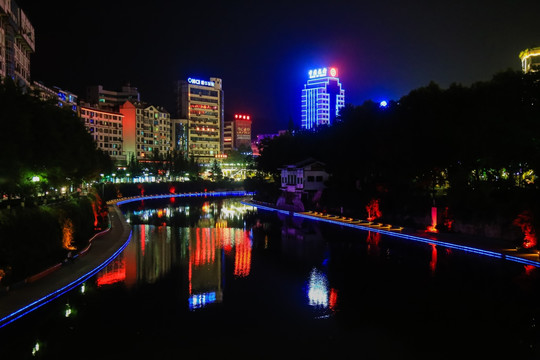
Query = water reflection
x=149 y=256
x=320 y=294
x=202 y=248
x=293 y=282
x=433 y=261
x=196 y=212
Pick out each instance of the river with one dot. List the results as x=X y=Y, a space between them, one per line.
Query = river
x=215 y=278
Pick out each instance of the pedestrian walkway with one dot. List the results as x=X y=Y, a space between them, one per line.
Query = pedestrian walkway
x=496 y=248
x=32 y=295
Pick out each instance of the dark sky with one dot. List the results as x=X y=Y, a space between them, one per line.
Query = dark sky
x=263 y=49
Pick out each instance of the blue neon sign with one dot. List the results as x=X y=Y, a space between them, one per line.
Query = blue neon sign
x=201 y=82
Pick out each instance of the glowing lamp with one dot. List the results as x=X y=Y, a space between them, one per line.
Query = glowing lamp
x=35 y=178
x=383 y=103
x=333 y=72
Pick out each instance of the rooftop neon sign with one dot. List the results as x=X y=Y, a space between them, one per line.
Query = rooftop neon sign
x=323 y=72
x=201 y=82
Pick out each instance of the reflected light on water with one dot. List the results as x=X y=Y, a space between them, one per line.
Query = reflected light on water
x=529 y=269
x=242 y=259
x=318 y=289
x=433 y=261
x=113 y=273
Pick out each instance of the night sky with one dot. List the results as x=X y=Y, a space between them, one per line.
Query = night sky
x=263 y=49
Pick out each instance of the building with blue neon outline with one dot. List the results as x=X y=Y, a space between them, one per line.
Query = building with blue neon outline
x=322 y=98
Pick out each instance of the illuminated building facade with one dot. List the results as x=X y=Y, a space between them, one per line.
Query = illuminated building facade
x=237 y=134
x=530 y=60
x=107 y=131
x=147 y=128
x=17 y=42
x=242 y=132
x=201 y=103
x=322 y=98
x=64 y=99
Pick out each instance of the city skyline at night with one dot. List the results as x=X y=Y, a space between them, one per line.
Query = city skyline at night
x=383 y=50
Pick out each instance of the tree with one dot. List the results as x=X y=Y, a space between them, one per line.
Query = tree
x=134 y=168
x=215 y=171
x=44 y=139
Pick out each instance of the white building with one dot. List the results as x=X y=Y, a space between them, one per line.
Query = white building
x=106 y=130
x=17 y=42
x=302 y=182
x=147 y=129
x=305 y=176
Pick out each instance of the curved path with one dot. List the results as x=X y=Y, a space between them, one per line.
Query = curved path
x=42 y=288
x=496 y=248
x=104 y=248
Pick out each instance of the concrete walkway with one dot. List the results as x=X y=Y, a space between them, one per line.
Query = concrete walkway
x=21 y=300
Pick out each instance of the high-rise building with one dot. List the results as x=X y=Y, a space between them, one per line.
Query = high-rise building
x=147 y=129
x=237 y=133
x=242 y=132
x=201 y=103
x=106 y=130
x=530 y=60
x=17 y=42
x=111 y=99
x=322 y=98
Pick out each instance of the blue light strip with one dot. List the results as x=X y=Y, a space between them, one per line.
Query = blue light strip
x=198 y=194
x=267 y=208
x=50 y=297
x=469 y=249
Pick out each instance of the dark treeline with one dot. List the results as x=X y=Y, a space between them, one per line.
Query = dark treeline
x=33 y=239
x=462 y=146
x=41 y=139
x=43 y=148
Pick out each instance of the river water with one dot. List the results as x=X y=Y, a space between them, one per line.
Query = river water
x=215 y=278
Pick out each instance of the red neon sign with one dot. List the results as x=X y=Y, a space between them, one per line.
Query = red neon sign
x=242 y=117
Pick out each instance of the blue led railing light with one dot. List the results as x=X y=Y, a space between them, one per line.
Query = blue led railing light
x=445 y=244
x=197 y=194
x=55 y=294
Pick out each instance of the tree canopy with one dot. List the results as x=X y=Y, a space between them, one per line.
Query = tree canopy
x=460 y=136
x=45 y=141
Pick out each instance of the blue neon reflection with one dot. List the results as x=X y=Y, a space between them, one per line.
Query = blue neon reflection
x=198 y=194
x=197 y=301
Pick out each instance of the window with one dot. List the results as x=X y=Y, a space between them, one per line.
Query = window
x=310 y=178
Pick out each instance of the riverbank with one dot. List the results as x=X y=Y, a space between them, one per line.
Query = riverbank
x=61 y=278
x=497 y=248
x=44 y=287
